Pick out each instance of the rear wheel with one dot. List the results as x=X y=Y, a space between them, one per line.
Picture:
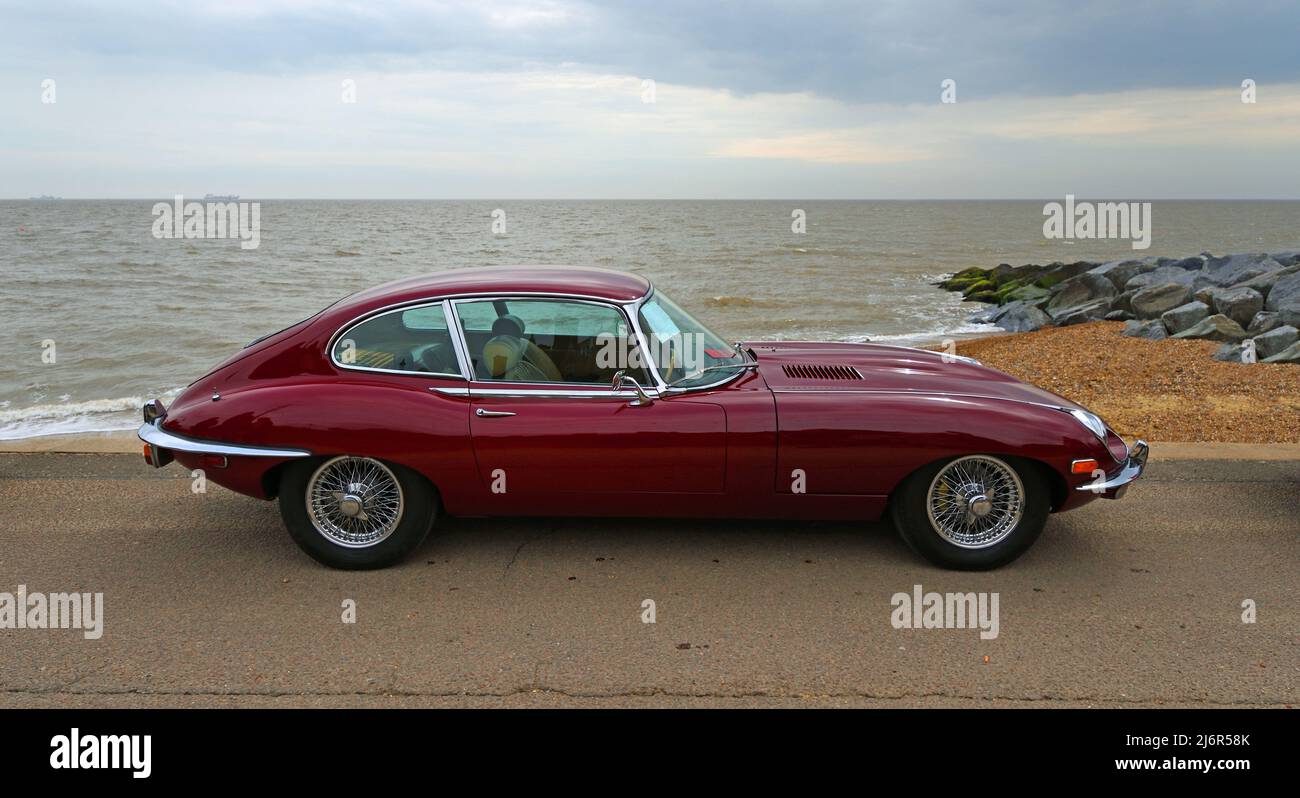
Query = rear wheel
x=356 y=512
x=973 y=512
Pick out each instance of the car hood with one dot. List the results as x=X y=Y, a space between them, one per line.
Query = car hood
x=799 y=365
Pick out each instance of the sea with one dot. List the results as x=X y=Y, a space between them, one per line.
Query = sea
x=100 y=314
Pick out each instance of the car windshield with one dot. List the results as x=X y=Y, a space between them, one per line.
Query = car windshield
x=681 y=348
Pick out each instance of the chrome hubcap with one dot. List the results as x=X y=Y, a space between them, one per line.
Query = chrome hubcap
x=351 y=505
x=979 y=506
x=975 y=502
x=354 y=501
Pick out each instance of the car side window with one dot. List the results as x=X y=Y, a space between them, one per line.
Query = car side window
x=413 y=340
x=548 y=340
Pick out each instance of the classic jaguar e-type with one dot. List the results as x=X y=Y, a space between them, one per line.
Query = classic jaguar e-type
x=576 y=391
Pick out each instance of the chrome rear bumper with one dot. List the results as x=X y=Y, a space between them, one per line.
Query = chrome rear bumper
x=152 y=433
x=1114 y=487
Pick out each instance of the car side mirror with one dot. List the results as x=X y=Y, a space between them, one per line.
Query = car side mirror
x=620 y=378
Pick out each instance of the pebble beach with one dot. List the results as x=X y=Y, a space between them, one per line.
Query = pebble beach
x=1166 y=390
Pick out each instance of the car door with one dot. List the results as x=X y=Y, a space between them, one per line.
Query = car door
x=549 y=433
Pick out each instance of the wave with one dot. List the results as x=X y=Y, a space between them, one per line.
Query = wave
x=95 y=415
x=932 y=336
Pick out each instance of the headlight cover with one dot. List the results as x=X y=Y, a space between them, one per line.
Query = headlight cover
x=1092 y=421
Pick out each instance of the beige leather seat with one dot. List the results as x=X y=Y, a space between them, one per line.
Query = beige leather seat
x=503 y=359
x=518 y=358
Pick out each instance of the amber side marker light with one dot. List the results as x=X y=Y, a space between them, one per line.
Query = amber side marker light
x=1083 y=466
x=156 y=457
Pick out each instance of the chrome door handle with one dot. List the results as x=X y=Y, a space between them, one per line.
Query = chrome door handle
x=481 y=413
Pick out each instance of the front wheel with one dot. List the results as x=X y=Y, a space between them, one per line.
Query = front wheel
x=356 y=513
x=972 y=513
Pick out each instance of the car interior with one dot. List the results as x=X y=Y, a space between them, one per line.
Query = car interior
x=563 y=349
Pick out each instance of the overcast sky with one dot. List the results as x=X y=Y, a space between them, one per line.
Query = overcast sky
x=524 y=99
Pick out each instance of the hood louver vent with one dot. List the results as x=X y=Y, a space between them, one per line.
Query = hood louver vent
x=812 y=371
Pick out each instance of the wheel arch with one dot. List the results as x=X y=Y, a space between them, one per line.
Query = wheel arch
x=274 y=476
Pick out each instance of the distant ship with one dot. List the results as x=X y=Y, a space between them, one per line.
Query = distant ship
x=46 y=198
x=220 y=197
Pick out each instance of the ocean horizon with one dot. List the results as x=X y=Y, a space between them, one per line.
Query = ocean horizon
x=125 y=316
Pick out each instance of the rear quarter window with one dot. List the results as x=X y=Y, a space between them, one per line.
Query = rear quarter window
x=412 y=340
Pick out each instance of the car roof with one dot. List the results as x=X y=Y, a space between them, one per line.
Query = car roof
x=569 y=280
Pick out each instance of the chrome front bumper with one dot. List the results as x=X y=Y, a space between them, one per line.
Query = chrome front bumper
x=1115 y=487
x=152 y=433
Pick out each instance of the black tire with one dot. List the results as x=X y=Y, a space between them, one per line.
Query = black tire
x=908 y=506
x=419 y=508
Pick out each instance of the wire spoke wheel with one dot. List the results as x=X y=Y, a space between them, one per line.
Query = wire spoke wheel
x=976 y=501
x=354 y=501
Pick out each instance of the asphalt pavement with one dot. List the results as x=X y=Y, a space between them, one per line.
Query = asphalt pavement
x=207 y=602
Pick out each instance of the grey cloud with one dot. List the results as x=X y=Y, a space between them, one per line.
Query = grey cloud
x=896 y=51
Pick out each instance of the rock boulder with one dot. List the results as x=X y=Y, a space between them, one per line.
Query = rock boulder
x=1120 y=272
x=1152 y=301
x=1077 y=293
x=1284 y=299
x=1230 y=353
x=1184 y=316
x=1264 y=321
x=1023 y=318
x=1238 y=304
x=1274 y=341
x=1162 y=274
x=1289 y=355
x=1234 y=269
x=1214 y=328
x=1153 y=330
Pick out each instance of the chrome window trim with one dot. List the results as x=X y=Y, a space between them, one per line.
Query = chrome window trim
x=631 y=309
x=431 y=300
x=357 y=322
x=545 y=393
x=442 y=374
x=473 y=379
x=458 y=341
x=643 y=342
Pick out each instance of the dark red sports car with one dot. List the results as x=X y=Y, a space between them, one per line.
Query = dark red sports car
x=574 y=391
